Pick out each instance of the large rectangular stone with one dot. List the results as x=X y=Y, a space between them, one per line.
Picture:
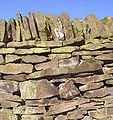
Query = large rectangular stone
x=13 y=68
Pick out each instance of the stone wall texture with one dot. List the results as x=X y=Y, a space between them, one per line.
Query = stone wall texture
x=52 y=68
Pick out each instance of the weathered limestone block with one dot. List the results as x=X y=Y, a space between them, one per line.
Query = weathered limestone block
x=21 y=27
x=43 y=102
x=11 y=29
x=107 y=70
x=96 y=93
x=80 y=28
x=61 y=117
x=67 y=49
x=33 y=59
x=85 y=66
x=12 y=58
x=59 y=56
x=3 y=36
x=32 y=25
x=105 y=57
x=6 y=114
x=31 y=51
x=92 y=47
x=93 y=78
x=9 y=104
x=73 y=41
x=68 y=62
x=28 y=110
x=51 y=64
x=31 y=117
x=84 y=57
x=13 y=68
x=109 y=45
x=98 y=29
x=108 y=21
x=67 y=27
x=56 y=27
x=18 y=31
x=7 y=50
x=62 y=107
x=26 y=28
x=41 y=23
x=49 y=43
x=9 y=86
x=47 y=117
x=1 y=59
x=19 y=77
x=37 y=89
x=91 y=86
x=93 y=41
x=76 y=114
x=68 y=90
x=109 y=82
x=26 y=44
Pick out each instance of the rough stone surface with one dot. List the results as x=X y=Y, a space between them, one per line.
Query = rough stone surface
x=105 y=57
x=68 y=90
x=12 y=58
x=37 y=89
x=33 y=59
x=13 y=68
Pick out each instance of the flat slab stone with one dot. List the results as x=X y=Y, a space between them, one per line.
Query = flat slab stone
x=31 y=51
x=33 y=59
x=105 y=57
x=31 y=117
x=13 y=68
x=12 y=58
x=37 y=89
x=19 y=77
x=7 y=50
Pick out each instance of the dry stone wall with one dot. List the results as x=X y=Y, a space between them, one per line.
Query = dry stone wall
x=55 y=69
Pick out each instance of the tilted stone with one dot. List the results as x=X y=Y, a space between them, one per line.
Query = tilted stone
x=3 y=30
x=26 y=44
x=11 y=29
x=19 y=77
x=67 y=49
x=62 y=107
x=73 y=41
x=28 y=110
x=56 y=27
x=31 y=51
x=98 y=29
x=67 y=27
x=26 y=28
x=93 y=78
x=68 y=90
x=32 y=25
x=33 y=59
x=76 y=114
x=31 y=117
x=13 y=68
x=7 y=50
x=42 y=25
x=43 y=102
x=37 y=89
x=87 y=118
x=59 y=56
x=18 y=31
x=105 y=57
x=108 y=21
x=7 y=114
x=91 y=86
x=80 y=28
x=93 y=41
x=21 y=27
x=92 y=47
x=49 y=43
x=9 y=86
x=1 y=59
x=12 y=58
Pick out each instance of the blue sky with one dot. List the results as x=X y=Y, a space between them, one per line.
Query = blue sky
x=75 y=8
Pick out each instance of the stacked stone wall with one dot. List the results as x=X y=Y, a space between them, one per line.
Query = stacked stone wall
x=52 y=68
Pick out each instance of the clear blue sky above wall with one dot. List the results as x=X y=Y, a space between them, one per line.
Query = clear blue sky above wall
x=75 y=8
